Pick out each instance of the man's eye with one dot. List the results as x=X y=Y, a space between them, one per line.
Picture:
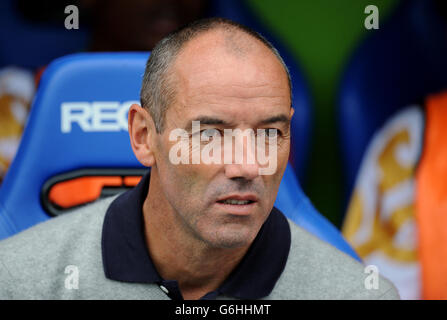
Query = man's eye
x=269 y=132
x=210 y=133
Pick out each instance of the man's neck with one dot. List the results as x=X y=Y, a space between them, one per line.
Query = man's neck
x=177 y=255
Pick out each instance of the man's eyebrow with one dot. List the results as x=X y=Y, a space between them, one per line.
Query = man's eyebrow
x=278 y=118
x=205 y=120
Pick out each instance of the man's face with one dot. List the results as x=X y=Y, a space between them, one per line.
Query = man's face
x=224 y=90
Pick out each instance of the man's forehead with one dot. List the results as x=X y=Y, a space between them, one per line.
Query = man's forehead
x=208 y=60
x=211 y=80
x=231 y=111
x=218 y=50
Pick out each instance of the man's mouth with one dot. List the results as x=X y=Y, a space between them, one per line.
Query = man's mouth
x=238 y=198
x=238 y=204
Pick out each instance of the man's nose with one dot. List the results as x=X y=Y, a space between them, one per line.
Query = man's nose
x=248 y=168
x=246 y=171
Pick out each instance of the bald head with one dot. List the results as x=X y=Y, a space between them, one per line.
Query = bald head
x=210 y=44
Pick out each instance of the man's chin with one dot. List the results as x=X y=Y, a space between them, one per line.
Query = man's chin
x=231 y=239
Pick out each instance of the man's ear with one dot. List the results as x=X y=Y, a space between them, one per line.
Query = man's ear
x=141 y=131
x=292 y=111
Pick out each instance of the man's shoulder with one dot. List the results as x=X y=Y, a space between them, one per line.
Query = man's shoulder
x=65 y=227
x=44 y=251
x=317 y=270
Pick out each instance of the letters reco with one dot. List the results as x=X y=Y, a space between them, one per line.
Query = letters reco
x=96 y=116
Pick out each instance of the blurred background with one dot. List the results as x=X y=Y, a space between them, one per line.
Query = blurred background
x=323 y=35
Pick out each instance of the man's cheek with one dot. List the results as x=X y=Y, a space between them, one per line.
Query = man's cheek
x=186 y=178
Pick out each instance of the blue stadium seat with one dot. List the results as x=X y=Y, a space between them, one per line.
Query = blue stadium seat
x=395 y=66
x=52 y=146
x=32 y=46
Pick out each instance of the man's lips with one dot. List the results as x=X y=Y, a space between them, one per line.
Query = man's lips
x=238 y=204
x=239 y=197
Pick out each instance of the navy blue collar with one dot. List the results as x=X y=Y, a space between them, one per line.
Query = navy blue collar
x=126 y=256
